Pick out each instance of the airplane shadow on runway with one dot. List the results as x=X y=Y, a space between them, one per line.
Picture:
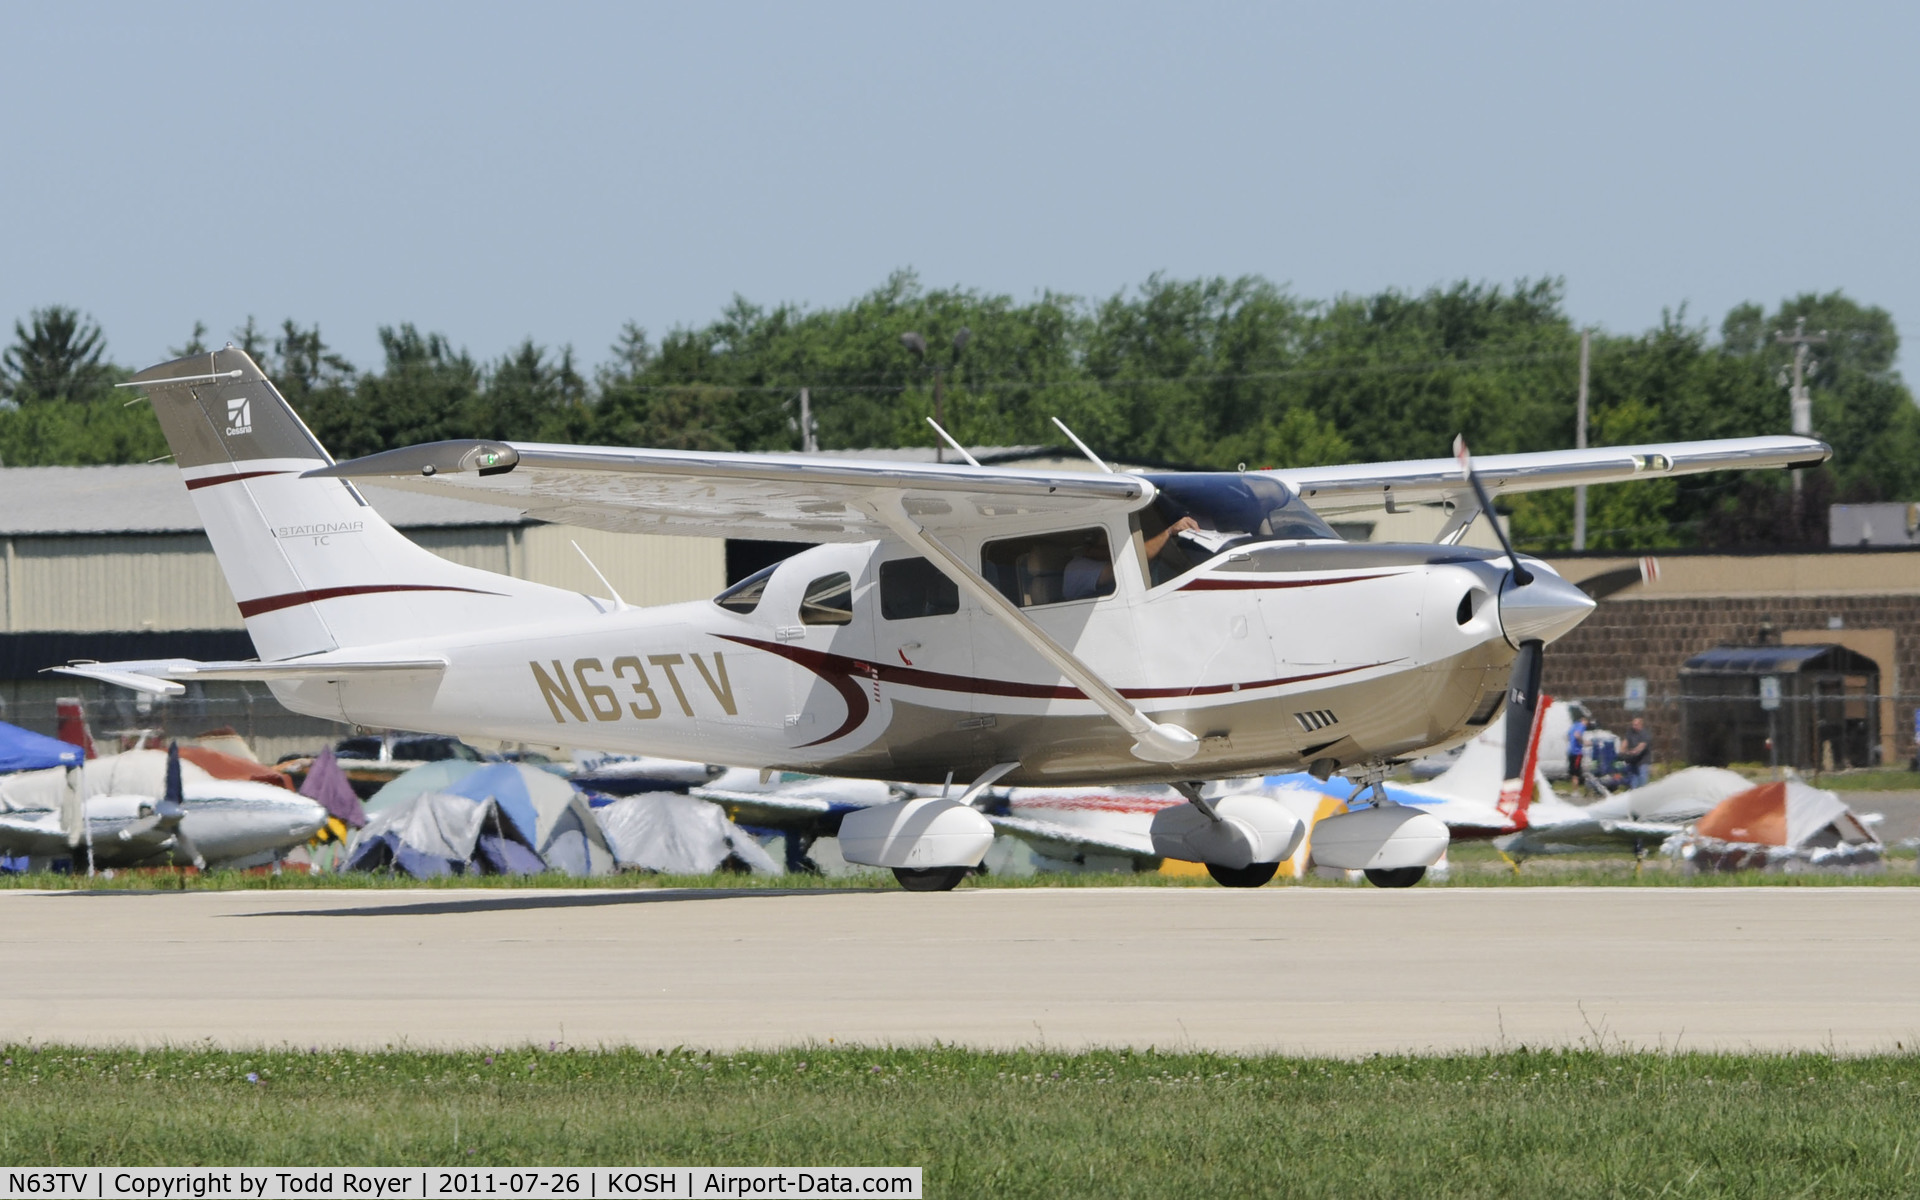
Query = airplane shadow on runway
x=521 y=901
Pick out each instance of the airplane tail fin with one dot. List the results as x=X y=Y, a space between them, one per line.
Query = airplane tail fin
x=1514 y=801
x=73 y=725
x=312 y=565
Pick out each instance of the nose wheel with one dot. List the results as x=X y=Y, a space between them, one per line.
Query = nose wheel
x=1395 y=877
x=930 y=879
x=1251 y=876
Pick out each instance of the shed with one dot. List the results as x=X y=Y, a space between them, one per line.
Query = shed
x=1826 y=704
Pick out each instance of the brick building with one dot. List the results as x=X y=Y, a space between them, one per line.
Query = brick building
x=1865 y=600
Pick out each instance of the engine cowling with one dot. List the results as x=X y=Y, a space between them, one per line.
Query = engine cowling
x=916 y=835
x=1384 y=837
x=1251 y=829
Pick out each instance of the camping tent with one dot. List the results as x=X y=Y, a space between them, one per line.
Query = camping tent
x=435 y=833
x=1786 y=825
x=551 y=813
x=428 y=777
x=678 y=835
x=25 y=750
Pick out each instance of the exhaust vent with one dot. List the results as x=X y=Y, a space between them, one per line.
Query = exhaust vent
x=1319 y=718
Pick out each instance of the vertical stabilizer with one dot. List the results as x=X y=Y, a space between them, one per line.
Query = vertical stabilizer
x=312 y=565
x=73 y=724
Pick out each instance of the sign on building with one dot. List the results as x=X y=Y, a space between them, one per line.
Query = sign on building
x=1636 y=694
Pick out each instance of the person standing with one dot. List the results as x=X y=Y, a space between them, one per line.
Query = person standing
x=1638 y=752
x=1576 y=746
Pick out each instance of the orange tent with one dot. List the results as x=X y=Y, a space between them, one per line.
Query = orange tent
x=1781 y=823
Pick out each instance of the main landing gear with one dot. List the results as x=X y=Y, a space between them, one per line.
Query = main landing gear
x=1394 y=877
x=1252 y=875
x=930 y=879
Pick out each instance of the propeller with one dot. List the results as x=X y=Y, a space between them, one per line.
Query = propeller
x=1526 y=707
x=1521 y=576
x=172 y=809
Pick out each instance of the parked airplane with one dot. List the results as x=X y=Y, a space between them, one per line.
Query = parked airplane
x=1467 y=800
x=209 y=821
x=1038 y=627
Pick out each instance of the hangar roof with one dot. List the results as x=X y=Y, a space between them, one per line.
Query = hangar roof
x=149 y=498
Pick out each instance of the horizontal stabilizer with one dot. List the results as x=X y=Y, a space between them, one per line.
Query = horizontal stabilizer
x=164 y=677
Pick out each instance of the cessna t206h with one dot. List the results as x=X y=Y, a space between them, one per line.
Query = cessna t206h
x=954 y=622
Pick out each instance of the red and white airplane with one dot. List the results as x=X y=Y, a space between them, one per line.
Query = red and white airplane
x=955 y=621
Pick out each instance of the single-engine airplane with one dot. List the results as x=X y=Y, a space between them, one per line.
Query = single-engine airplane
x=954 y=621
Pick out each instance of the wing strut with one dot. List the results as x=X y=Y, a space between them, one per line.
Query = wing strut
x=1152 y=740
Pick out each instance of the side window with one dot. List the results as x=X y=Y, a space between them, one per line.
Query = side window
x=744 y=597
x=1049 y=568
x=828 y=601
x=914 y=587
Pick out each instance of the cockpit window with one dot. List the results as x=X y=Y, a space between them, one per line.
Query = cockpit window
x=828 y=601
x=744 y=597
x=1196 y=517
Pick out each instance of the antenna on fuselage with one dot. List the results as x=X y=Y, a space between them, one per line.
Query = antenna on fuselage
x=957 y=447
x=618 y=602
x=1075 y=438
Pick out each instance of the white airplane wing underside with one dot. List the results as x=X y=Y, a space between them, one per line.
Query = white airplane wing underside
x=712 y=494
x=786 y=497
x=1438 y=480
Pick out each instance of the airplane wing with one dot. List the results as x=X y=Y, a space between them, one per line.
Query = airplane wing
x=787 y=497
x=1566 y=836
x=711 y=494
x=808 y=815
x=1434 y=480
x=34 y=835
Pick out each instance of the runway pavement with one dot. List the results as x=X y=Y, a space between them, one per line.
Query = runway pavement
x=1306 y=969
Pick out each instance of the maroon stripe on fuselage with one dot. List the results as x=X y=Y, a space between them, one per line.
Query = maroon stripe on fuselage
x=267 y=604
x=838 y=666
x=1216 y=583
x=210 y=480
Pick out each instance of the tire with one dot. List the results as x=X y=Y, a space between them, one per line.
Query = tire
x=930 y=879
x=1395 y=877
x=1252 y=876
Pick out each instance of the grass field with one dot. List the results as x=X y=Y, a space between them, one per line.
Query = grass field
x=1582 y=1123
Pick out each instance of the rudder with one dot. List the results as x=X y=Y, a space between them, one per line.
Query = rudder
x=311 y=564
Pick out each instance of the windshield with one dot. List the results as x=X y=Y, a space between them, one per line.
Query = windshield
x=1210 y=513
x=744 y=597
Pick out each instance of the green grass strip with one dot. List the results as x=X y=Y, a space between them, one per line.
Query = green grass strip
x=1516 y=1123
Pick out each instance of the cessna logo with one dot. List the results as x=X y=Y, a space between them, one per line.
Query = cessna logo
x=239 y=417
x=600 y=687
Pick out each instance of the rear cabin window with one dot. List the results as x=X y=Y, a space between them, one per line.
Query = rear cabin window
x=744 y=597
x=1050 y=568
x=828 y=600
x=914 y=587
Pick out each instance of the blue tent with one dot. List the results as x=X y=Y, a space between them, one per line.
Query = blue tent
x=25 y=750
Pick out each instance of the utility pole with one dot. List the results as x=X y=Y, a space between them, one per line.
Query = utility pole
x=1802 y=403
x=808 y=442
x=1580 y=443
x=917 y=346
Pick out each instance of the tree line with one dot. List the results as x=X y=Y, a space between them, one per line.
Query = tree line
x=1206 y=373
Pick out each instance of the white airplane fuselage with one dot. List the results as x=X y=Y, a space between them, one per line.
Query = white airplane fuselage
x=1276 y=655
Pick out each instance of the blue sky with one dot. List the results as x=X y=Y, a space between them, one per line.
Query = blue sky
x=495 y=172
